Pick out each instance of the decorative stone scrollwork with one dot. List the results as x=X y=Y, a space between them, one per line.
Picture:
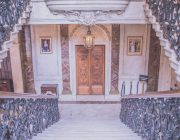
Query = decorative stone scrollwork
x=10 y=12
x=87 y=12
x=153 y=119
x=167 y=13
x=89 y=17
x=20 y=119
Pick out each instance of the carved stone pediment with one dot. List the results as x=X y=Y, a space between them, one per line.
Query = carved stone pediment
x=87 y=12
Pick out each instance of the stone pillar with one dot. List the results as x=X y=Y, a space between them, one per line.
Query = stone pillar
x=154 y=61
x=16 y=66
x=65 y=59
x=115 y=58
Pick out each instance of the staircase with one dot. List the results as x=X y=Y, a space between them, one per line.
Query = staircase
x=88 y=121
x=13 y=15
x=163 y=15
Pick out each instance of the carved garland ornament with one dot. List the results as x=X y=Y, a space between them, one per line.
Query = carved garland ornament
x=89 y=16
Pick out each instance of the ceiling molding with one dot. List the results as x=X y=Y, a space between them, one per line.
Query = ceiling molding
x=87 y=12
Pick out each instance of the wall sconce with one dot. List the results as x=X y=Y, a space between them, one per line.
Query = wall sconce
x=89 y=39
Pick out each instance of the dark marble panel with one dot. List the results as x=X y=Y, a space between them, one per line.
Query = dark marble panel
x=26 y=60
x=154 y=62
x=65 y=59
x=115 y=58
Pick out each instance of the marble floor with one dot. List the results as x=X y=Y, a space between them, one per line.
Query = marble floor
x=88 y=122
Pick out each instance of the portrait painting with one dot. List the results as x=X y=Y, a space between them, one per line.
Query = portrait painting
x=134 y=45
x=45 y=45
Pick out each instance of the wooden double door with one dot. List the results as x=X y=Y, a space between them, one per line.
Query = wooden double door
x=90 y=70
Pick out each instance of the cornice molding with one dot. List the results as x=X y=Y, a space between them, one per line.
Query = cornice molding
x=87 y=12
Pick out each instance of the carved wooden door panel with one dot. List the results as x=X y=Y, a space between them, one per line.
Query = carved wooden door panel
x=90 y=70
x=97 y=70
x=83 y=71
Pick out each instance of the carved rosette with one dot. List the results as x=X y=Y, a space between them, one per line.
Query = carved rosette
x=115 y=58
x=65 y=59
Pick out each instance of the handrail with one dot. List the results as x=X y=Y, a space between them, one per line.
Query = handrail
x=10 y=12
x=161 y=94
x=25 y=95
x=22 y=116
x=152 y=116
x=167 y=13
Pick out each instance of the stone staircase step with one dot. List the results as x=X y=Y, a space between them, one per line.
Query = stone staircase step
x=88 y=120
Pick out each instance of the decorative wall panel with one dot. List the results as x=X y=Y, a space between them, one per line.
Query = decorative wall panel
x=97 y=70
x=83 y=71
x=65 y=59
x=154 y=62
x=115 y=58
x=90 y=70
x=26 y=60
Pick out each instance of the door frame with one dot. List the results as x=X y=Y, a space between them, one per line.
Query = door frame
x=104 y=66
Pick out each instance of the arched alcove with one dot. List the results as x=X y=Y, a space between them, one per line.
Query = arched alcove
x=102 y=34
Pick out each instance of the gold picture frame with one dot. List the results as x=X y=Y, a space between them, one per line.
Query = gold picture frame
x=45 y=45
x=134 y=44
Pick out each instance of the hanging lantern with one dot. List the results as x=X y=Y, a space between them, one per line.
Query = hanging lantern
x=89 y=39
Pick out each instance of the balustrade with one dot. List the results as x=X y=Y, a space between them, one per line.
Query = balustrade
x=154 y=117
x=23 y=116
x=10 y=12
x=130 y=87
x=167 y=13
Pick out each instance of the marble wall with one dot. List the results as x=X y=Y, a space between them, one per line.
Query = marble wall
x=167 y=76
x=65 y=59
x=115 y=58
x=48 y=67
x=154 y=62
x=26 y=60
x=131 y=66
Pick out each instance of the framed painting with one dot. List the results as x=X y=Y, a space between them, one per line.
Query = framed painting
x=45 y=47
x=134 y=45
